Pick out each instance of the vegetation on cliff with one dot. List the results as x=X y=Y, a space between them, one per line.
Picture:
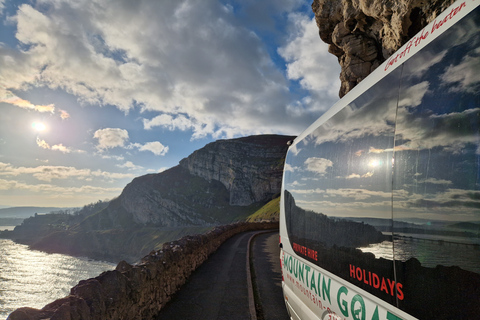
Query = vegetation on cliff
x=224 y=182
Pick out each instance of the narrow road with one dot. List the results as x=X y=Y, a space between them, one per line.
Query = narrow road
x=268 y=276
x=218 y=289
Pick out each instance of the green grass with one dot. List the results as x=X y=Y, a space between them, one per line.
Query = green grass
x=270 y=211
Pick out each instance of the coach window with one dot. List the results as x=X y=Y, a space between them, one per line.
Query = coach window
x=436 y=179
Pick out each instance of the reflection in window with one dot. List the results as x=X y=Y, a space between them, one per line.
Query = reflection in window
x=341 y=192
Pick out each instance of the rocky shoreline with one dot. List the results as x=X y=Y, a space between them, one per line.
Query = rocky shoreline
x=139 y=291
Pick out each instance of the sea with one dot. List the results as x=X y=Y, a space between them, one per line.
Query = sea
x=30 y=278
x=431 y=250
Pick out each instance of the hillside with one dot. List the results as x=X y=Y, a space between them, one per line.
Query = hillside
x=226 y=181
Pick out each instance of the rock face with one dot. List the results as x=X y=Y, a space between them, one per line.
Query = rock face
x=364 y=33
x=224 y=182
x=215 y=185
x=250 y=168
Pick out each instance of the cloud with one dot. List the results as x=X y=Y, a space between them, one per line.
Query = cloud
x=43 y=144
x=436 y=181
x=49 y=173
x=172 y=123
x=412 y=97
x=48 y=188
x=129 y=165
x=110 y=138
x=220 y=80
x=421 y=131
x=64 y=114
x=7 y=96
x=60 y=147
x=465 y=75
x=358 y=194
x=318 y=165
x=155 y=147
x=456 y=199
x=57 y=147
x=309 y=61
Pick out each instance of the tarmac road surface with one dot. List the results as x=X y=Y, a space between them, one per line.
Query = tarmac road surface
x=218 y=289
x=268 y=276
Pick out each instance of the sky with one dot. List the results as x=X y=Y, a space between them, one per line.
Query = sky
x=407 y=147
x=95 y=93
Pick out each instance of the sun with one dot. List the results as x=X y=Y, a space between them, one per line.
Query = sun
x=374 y=163
x=38 y=126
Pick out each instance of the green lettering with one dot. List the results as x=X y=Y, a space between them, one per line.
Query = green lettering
x=326 y=289
x=290 y=264
x=295 y=268
x=392 y=316
x=307 y=268
x=344 y=303
x=319 y=284
x=375 y=314
x=357 y=312
x=312 y=283
x=300 y=271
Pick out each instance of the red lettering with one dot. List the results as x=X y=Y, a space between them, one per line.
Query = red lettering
x=359 y=271
x=384 y=286
x=448 y=17
x=352 y=271
x=391 y=284
x=364 y=277
x=399 y=291
x=376 y=281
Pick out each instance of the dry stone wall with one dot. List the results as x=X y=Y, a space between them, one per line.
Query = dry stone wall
x=138 y=291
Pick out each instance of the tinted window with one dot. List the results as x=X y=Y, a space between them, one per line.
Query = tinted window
x=408 y=231
x=338 y=190
x=436 y=207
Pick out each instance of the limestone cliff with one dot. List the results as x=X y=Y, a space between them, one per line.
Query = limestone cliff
x=214 y=185
x=225 y=181
x=364 y=33
x=250 y=168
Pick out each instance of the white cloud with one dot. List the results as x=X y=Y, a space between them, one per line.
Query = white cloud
x=318 y=165
x=129 y=165
x=358 y=194
x=49 y=173
x=311 y=64
x=111 y=138
x=49 y=188
x=7 y=96
x=57 y=147
x=412 y=97
x=465 y=75
x=172 y=123
x=155 y=147
x=208 y=71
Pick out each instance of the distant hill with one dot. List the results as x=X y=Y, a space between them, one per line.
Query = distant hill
x=225 y=181
x=470 y=226
x=25 y=212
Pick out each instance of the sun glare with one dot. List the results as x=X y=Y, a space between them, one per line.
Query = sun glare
x=374 y=163
x=38 y=126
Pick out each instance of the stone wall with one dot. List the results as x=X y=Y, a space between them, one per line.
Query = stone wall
x=138 y=291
